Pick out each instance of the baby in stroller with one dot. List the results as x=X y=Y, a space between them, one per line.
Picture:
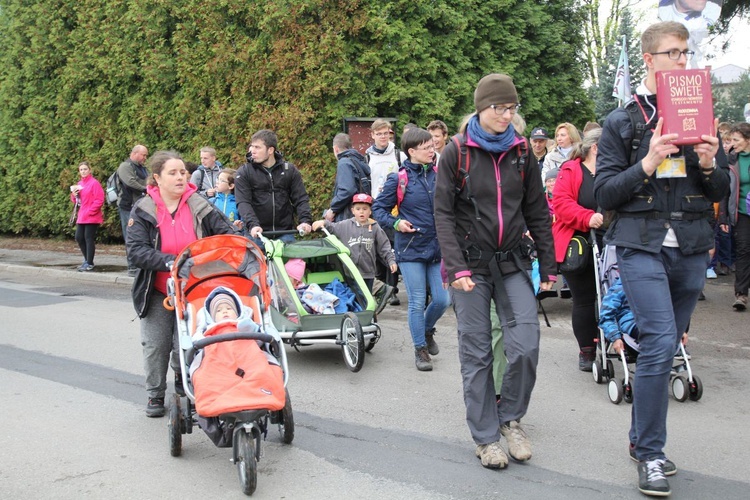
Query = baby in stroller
x=617 y=321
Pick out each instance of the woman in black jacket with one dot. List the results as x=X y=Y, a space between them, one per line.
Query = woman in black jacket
x=170 y=216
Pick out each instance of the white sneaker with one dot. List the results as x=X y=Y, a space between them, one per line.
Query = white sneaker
x=519 y=446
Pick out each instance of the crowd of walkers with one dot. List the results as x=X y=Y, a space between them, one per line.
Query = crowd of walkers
x=465 y=216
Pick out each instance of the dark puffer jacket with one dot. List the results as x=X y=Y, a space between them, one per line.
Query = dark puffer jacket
x=647 y=207
x=270 y=197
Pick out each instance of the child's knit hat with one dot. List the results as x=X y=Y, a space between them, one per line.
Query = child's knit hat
x=295 y=268
x=220 y=296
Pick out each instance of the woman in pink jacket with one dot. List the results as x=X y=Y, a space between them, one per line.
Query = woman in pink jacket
x=89 y=195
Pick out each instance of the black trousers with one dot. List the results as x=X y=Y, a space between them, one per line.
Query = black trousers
x=583 y=288
x=86 y=239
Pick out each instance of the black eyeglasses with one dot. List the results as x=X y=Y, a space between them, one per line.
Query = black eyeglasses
x=675 y=54
x=501 y=110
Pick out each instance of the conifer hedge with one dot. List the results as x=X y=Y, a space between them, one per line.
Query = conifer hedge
x=86 y=79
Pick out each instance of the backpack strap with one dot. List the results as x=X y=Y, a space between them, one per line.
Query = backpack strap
x=462 y=172
x=398 y=156
x=403 y=180
x=638 y=125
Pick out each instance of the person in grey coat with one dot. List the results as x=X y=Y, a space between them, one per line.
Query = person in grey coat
x=363 y=236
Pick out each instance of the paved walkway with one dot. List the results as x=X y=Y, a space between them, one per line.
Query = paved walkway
x=109 y=268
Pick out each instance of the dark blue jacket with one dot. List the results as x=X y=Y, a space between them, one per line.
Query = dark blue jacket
x=351 y=167
x=416 y=207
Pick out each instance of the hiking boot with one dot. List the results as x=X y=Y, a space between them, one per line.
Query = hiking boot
x=422 y=359
x=381 y=298
x=155 y=407
x=668 y=467
x=586 y=358
x=519 y=446
x=651 y=479
x=178 y=387
x=492 y=455
x=432 y=346
x=740 y=302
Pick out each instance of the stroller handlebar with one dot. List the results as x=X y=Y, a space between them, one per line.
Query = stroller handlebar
x=227 y=337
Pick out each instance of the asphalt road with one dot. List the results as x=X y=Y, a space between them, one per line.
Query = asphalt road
x=74 y=427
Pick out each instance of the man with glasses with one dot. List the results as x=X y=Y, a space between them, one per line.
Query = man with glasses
x=384 y=158
x=481 y=219
x=662 y=232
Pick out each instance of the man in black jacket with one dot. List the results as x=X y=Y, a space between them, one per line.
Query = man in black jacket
x=269 y=190
x=662 y=232
x=133 y=179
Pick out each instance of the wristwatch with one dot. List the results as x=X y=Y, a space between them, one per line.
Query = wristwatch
x=711 y=168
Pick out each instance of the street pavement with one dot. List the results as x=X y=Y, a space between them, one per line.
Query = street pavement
x=73 y=425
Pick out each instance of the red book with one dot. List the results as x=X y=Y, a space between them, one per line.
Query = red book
x=683 y=99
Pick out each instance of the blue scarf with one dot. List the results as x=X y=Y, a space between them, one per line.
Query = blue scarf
x=494 y=143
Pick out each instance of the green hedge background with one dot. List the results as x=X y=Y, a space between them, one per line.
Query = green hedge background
x=85 y=79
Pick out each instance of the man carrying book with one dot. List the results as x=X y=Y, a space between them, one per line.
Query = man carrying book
x=662 y=232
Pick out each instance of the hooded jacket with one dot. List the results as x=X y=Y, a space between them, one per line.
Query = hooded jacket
x=647 y=207
x=351 y=165
x=416 y=207
x=144 y=240
x=366 y=242
x=510 y=198
x=270 y=197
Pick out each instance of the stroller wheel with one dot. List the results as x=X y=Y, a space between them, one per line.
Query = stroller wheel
x=596 y=371
x=680 y=388
x=286 y=422
x=352 y=342
x=614 y=390
x=174 y=426
x=610 y=369
x=247 y=465
x=627 y=392
x=695 y=389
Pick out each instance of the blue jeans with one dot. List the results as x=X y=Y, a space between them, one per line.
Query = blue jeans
x=662 y=289
x=417 y=277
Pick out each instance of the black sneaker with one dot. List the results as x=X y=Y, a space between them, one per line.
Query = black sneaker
x=422 y=359
x=178 y=387
x=432 y=346
x=395 y=301
x=565 y=293
x=651 y=479
x=669 y=468
x=155 y=407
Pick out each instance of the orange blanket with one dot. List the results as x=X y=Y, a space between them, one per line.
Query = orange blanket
x=235 y=376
